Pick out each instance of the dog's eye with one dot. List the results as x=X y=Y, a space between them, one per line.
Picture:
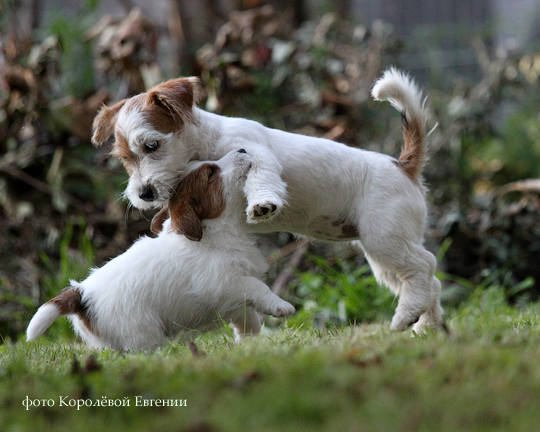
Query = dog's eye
x=151 y=146
x=211 y=171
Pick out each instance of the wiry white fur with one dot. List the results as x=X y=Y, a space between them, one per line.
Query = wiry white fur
x=321 y=189
x=169 y=284
x=41 y=321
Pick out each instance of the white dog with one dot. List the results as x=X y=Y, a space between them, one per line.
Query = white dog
x=161 y=286
x=298 y=183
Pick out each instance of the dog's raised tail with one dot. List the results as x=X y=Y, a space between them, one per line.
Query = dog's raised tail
x=67 y=302
x=403 y=94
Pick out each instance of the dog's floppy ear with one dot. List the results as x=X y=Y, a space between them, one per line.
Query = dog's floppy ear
x=199 y=196
x=176 y=97
x=157 y=221
x=103 y=126
x=184 y=220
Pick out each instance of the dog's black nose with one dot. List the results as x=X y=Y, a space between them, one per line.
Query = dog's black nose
x=147 y=193
x=242 y=151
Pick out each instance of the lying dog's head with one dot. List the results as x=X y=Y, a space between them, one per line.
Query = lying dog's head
x=147 y=128
x=205 y=193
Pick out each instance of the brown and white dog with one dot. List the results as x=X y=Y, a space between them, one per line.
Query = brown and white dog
x=300 y=184
x=169 y=284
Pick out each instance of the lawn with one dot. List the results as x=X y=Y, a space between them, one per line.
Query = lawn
x=484 y=376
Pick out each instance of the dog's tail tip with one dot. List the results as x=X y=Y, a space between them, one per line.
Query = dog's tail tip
x=401 y=91
x=68 y=301
x=42 y=320
x=380 y=90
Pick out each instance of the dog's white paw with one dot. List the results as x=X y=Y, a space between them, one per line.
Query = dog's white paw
x=282 y=309
x=261 y=212
x=420 y=328
x=414 y=312
x=403 y=319
x=430 y=320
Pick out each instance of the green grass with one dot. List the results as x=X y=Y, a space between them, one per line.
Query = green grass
x=484 y=376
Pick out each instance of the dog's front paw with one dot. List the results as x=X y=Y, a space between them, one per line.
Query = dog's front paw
x=261 y=212
x=282 y=309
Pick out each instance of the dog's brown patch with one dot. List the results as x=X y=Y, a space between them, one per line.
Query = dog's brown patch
x=170 y=104
x=103 y=125
x=161 y=120
x=199 y=196
x=69 y=302
x=349 y=231
x=122 y=151
x=411 y=158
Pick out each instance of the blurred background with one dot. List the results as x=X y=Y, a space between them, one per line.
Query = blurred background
x=305 y=66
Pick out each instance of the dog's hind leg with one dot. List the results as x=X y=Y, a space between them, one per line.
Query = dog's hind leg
x=384 y=276
x=433 y=317
x=407 y=268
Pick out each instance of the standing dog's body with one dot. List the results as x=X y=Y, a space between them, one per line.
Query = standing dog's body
x=170 y=284
x=299 y=184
